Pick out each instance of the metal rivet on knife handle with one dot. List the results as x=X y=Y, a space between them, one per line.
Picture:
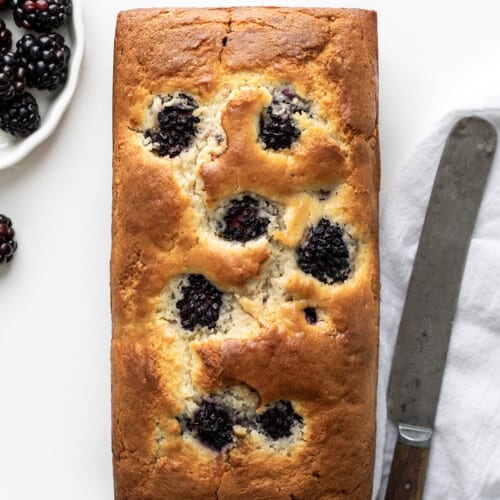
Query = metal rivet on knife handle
x=432 y=296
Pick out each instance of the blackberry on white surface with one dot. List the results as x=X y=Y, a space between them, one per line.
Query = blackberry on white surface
x=8 y=244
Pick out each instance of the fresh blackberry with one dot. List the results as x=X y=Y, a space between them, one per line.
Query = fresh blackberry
x=200 y=304
x=277 y=421
x=177 y=126
x=46 y=60
x=212 y=424
x=20 y=116
x=324 y=254
x=278 y=128
x=5 y=37
x=242 y=221
x=12 y=76
x=41 y=15
x=8 y=244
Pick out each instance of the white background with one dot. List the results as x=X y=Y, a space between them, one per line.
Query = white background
x=54 y=299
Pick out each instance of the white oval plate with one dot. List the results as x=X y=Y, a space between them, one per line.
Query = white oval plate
x=52 y=104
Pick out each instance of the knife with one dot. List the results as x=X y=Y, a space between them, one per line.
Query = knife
x=431 y=300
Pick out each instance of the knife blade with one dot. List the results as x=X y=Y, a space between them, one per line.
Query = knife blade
x=431 y=300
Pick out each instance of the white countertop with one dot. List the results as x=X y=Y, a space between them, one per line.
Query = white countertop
x=54 y=299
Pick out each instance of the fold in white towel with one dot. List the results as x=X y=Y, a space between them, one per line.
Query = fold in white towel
x=465 y=454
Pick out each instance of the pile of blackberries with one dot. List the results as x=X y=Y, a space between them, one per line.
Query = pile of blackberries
x=38 y=61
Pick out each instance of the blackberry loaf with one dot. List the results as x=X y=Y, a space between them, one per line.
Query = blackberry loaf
x=244 y=267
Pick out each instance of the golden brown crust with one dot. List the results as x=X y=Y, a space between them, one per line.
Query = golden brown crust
x=231 y=56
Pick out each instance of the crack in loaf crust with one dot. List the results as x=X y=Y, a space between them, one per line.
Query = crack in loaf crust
x=230 y=60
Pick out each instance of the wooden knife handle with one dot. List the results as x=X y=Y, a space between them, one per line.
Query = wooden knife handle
x=407 y=477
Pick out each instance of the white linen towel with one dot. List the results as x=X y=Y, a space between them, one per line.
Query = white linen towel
x=465 y=454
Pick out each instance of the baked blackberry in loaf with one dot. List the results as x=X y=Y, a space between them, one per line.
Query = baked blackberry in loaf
x=244 y=271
